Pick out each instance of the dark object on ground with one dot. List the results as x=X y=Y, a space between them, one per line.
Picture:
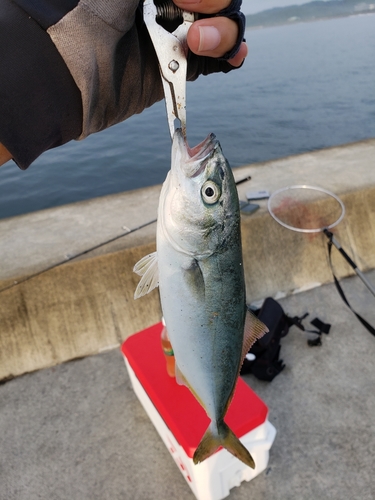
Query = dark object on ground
x=267 y=363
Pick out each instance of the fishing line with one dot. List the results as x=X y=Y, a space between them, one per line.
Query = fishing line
x=69 y=258
x=311 y=210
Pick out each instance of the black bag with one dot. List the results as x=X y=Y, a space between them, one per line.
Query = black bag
x=267 y=363
x=267 y=349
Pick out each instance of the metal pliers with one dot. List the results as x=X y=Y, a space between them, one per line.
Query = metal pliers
x=171 y=49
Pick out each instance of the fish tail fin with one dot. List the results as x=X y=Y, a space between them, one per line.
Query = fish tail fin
x=222 y=436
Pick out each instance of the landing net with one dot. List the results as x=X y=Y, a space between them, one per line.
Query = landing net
x=306 y=209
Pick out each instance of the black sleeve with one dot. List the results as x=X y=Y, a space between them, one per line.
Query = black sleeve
x=40 y=104
x=71 y=68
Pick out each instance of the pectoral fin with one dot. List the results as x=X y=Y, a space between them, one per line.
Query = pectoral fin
x=254 y=330
x=147 y=267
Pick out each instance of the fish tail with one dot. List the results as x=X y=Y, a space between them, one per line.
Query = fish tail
x=221 y=435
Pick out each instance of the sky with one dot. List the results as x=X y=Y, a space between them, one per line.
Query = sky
x=253 y=6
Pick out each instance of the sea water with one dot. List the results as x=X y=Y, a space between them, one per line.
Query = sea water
x=303 y=87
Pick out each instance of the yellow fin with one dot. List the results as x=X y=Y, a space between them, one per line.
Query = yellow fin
x=222 y=436
x=254 y=330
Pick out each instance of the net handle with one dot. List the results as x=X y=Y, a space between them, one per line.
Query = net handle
x=315 y=188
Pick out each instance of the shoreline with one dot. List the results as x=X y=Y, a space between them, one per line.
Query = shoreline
x=305 y=21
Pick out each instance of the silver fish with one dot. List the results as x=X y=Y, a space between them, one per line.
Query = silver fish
x=198 y=267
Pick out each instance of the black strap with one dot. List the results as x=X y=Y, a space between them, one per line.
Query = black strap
x=318 y=323
x=367 y=325
x=321 y=328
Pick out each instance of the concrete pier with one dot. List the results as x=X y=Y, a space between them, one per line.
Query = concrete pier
x=55 y=307
x=77 y=430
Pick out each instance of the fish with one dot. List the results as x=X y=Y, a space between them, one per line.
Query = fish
x=198 y=267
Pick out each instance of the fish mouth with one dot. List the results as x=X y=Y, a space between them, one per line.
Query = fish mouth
x=194 y=159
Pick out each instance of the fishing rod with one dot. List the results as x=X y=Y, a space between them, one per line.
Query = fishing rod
x=241 y=181
x=69 y=258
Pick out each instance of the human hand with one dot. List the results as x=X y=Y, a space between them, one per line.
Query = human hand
x=213 y=36
x=4 y=155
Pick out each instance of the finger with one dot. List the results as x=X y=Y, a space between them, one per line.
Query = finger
x=203 y=6
x=238 y=59
x=212 y=37
x=4 y=155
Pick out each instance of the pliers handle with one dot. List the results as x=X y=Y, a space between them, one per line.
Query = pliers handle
x=171 y=50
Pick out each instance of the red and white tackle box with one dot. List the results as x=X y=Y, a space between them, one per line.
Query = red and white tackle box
x=181 y=421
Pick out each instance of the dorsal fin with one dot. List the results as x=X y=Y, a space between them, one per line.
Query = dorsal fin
x=254 y=330
x=147 y=267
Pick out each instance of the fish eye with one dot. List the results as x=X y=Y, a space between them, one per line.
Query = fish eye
x=210 y=192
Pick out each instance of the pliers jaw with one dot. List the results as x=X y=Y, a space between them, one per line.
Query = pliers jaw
x=171 y=50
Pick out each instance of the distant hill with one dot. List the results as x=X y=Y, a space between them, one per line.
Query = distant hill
x=311 y=11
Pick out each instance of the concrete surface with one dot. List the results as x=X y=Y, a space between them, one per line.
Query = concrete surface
x=72 y=311
x=77 y=431
x=35 y=241
x=85 y=305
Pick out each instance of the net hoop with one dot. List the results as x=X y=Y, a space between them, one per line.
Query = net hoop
x=301 y=230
